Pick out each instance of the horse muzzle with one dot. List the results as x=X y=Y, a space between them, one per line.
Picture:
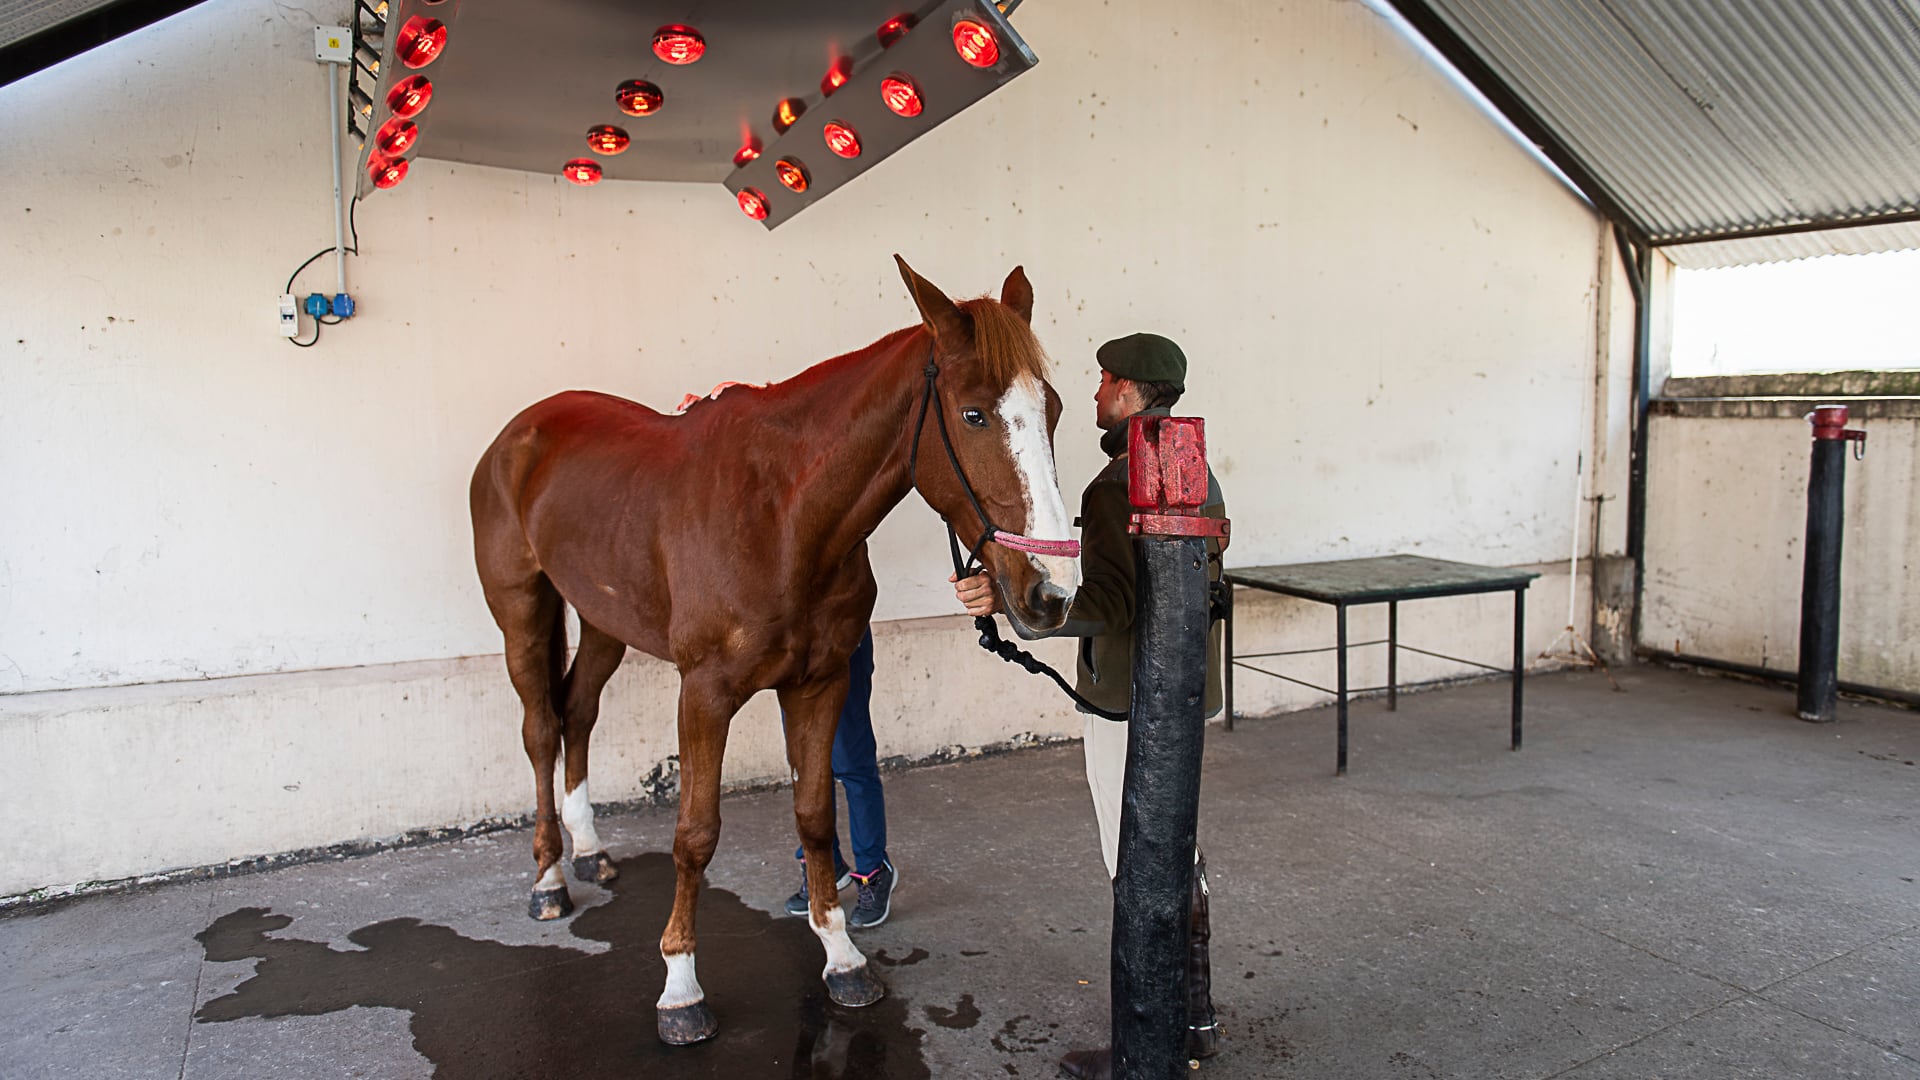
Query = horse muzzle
x=1041 y=610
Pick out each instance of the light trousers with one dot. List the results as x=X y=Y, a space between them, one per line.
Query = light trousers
x=1106 y=746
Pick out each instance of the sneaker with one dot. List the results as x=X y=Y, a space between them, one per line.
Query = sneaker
x=876 y=897
x=797 y=903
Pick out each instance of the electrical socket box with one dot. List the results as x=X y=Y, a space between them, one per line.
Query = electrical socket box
x=289 y=315
x=333 y=45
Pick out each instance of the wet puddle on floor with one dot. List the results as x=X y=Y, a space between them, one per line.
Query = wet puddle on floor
x=484 y=1009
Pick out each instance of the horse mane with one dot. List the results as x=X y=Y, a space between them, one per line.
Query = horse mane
x=1005 y=344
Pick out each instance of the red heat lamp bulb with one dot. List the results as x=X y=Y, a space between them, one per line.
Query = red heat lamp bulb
x=753 y=204
x=792 y=174
x=679 y=44
x=409 y=96
x=975 y=44
x=637 y=97
x=894 y=29
x=607 y=139
x=836 y=76
x=386 y=173
x=396 y=137
x=582 y=171
x=787 y=113
x=420 y=41
x=900 y=94
x=746 y=153
x=841 y=138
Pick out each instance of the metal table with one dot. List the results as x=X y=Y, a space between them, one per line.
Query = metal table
x=1388 y=580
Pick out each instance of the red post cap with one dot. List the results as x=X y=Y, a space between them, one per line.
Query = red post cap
x=1829 y=421
x=1166 y=462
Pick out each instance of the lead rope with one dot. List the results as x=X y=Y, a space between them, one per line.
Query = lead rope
x=991 y=641
x=990 y=638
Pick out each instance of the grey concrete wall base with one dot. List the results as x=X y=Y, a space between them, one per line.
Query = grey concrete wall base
x=1612 y=635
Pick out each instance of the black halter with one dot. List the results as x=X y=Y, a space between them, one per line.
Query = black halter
x=962 y=568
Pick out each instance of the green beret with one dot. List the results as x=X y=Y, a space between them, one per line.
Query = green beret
x=1145 y=358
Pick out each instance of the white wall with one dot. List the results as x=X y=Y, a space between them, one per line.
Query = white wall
x=1726 y=529
x=1393 y=317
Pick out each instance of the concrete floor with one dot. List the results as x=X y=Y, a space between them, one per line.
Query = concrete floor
x=1680 y=880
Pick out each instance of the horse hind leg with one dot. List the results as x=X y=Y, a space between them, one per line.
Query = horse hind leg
x=812 y=712
x=532 y=616
x=706 y=710
x=594 y=663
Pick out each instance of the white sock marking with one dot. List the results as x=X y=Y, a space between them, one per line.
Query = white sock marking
x=552 y=879
x=682 y=987
x=1023 y=412
x=577 y=812
x=841 y=955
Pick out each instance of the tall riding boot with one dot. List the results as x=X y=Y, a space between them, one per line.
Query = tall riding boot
x=1203 y=1034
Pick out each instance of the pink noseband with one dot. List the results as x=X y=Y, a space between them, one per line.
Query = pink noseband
x=1065 y=548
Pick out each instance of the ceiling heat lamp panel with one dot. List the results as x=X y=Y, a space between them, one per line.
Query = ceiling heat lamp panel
x=687 y=92
x=872 y=115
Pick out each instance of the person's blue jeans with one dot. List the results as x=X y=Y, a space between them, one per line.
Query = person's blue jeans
x=856 y=765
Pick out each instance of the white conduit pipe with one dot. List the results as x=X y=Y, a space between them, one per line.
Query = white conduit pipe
x=339 y=204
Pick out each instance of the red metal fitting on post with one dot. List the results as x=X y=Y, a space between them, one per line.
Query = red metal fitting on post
x=1830 y=425
x=1167 y=475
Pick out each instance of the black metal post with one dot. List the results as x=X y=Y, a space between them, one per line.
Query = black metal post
x=1638 y=259
x=1227 y=675
x=1160 y=810
x=1393 y=655
x=1340 y=766
x=1820 y=583
x=1519 y=655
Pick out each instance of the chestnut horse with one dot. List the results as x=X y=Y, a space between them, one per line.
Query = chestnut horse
x=731 y=541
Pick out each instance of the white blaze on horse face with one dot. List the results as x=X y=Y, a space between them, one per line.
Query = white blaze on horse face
x=841 y=955
x=682 y=987
x=577 y=812
x=1023 y=413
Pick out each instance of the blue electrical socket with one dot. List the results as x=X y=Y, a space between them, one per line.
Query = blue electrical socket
x=343 y=305
x=316 y=305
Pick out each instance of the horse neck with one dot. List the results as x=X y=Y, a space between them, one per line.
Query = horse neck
x=846 y=440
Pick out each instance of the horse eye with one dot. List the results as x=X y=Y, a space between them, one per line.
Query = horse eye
x=974 y=417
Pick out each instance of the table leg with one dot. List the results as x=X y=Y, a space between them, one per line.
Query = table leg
x=1341 y=652
x=1393 y=655
x=1519 y=655
x=1228 y=673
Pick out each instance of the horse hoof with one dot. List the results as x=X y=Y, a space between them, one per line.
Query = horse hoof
x=548 y=904
x=597 y=868
x=856 y=987
x=687 y=1024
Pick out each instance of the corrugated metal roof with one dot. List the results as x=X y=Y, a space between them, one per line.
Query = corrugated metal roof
x=37 y=34
x=1706 y=117
x=21 y=19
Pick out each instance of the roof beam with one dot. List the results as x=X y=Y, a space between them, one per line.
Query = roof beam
x=1861 y=221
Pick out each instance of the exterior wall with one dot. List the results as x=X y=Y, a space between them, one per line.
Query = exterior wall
x=1392 y=313
x=1726 y=521
x=126 y=780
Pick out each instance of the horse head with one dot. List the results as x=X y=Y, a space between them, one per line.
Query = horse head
x=984 y=459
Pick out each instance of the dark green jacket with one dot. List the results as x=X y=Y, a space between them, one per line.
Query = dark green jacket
x=1101 y=615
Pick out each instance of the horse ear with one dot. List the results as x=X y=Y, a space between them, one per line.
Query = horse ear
x=941 y=315
x=1017 y=293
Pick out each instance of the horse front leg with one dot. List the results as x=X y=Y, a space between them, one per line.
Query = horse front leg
x=706 y=709
x=812 y=712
